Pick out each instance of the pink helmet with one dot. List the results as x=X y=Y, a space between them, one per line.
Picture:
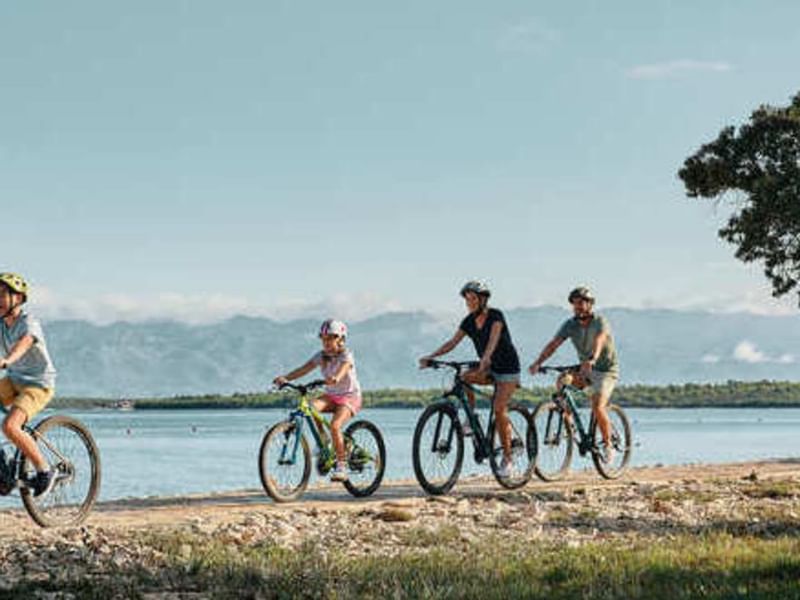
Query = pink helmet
x=333 y=327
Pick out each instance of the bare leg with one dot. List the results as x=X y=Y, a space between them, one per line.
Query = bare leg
x=340 y=415
x=502 y=395
x=599 y=403
x=12 y=428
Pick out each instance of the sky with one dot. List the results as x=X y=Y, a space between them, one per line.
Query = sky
x=195 y=160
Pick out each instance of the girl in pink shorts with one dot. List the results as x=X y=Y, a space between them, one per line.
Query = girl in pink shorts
x=342 y=395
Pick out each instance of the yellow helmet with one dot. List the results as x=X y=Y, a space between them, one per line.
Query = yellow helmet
x=15 y=283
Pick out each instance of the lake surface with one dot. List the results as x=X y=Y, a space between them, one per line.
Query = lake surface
x=147 y=453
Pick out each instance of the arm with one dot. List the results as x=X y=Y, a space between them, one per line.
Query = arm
x=491 y=346
x=18 y=350
x=546 y=353
x=597 y=348
x=298 y=372
x=340 y=373
x=444 y=348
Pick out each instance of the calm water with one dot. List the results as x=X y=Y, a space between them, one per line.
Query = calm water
x=174 y=452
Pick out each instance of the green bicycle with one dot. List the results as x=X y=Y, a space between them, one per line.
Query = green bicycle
x=285 y=458
x=71 y=451
x=560 y=428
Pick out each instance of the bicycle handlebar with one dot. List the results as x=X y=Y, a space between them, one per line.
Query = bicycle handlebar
x=303 y=388
x=457 y=365
x=559 y=368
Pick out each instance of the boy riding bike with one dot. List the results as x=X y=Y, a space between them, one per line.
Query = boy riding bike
x=590 y=333
x=30 y=376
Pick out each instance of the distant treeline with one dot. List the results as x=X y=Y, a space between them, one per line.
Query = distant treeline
x=730 y=394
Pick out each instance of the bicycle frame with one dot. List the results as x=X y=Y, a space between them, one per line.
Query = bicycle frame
x=305 y=413
x=585 y=438
x=480 y=439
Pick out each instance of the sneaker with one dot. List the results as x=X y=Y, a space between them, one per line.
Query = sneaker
x=504 y=471
x=42 y=483
x=609 y=454
x=339 y=473
x=466 y=427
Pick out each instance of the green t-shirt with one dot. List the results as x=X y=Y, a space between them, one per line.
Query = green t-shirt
x=583 y=340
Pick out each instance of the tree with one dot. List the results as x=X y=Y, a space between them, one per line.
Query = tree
x=760 y=166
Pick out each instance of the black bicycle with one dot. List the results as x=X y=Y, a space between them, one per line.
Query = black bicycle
x=560 y=428
x=71 y=451
x=438 y=447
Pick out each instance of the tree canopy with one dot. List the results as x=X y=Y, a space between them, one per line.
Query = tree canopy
x=759 y=165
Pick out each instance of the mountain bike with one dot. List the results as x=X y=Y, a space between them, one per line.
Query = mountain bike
x=285 y=457
x=72 y=453
x=438 y=446
x=561 y=427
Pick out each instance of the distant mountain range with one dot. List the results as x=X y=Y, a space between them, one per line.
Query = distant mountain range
x=242 y=354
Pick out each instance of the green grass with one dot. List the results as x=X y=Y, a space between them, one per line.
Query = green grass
x=713 y=566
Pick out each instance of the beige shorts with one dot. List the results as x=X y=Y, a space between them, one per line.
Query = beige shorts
x=28 y=398
x=602 y=383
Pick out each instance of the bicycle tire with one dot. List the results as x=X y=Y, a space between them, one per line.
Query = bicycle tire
x=72 y=452
x=620 y=438
x=555 y=437
x=269 y=473
x=449 y=426
x=523 y=448
x=365 y=455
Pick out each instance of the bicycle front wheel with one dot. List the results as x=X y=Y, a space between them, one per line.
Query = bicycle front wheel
x=72 y=453
x=284 y=462
x=438 y=448
x=366 y=458
x=612 y=465
x=555 y=441
x=523 y=448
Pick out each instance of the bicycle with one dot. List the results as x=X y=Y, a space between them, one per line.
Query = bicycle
x=284 y=459
x=560 y=427
x=438 y=446
x=70 y=450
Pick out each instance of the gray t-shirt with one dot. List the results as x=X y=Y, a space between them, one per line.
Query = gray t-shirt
x=583 y=340
x=34 y=367
x=330 y=365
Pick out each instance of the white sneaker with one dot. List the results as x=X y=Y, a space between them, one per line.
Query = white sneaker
x=609 y=454
x=504 y=471
x=339 y=472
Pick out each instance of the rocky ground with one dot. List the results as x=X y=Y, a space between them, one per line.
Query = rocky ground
x=140 y=535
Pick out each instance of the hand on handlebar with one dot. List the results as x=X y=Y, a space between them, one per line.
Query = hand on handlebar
x=535 y=368
x=280 y=381
x=425 y=362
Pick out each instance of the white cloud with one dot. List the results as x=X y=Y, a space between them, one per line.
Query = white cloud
x=676 y=68
x=710 y=359
x=530 y=35
x=747 y=352
x=785 y=359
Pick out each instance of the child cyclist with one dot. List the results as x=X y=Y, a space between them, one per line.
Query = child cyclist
x=499 y=362
x=342 y=395
x=30 y=376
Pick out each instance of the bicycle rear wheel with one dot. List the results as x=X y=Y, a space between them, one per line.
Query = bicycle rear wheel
x=284 y=462
x=523 y=448
x=555 y=441
x=438 y=448
x=620 y=444
x=366 y=458
x=72 y=453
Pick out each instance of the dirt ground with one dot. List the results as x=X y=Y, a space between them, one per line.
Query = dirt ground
x=221 y=508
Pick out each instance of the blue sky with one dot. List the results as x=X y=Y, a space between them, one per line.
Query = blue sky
x=199 y=159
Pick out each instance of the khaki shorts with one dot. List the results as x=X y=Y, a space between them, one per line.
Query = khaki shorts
x=602 y=383
x=28 y=398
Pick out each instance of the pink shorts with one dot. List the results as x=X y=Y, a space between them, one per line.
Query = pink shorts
x=351 y=402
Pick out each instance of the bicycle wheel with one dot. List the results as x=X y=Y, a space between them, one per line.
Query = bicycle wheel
x=71 y=451
x=523 y=448
x=620 y=442
x=438 y=448
x=366 y=458
x=554 y=433
x=284 y=462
